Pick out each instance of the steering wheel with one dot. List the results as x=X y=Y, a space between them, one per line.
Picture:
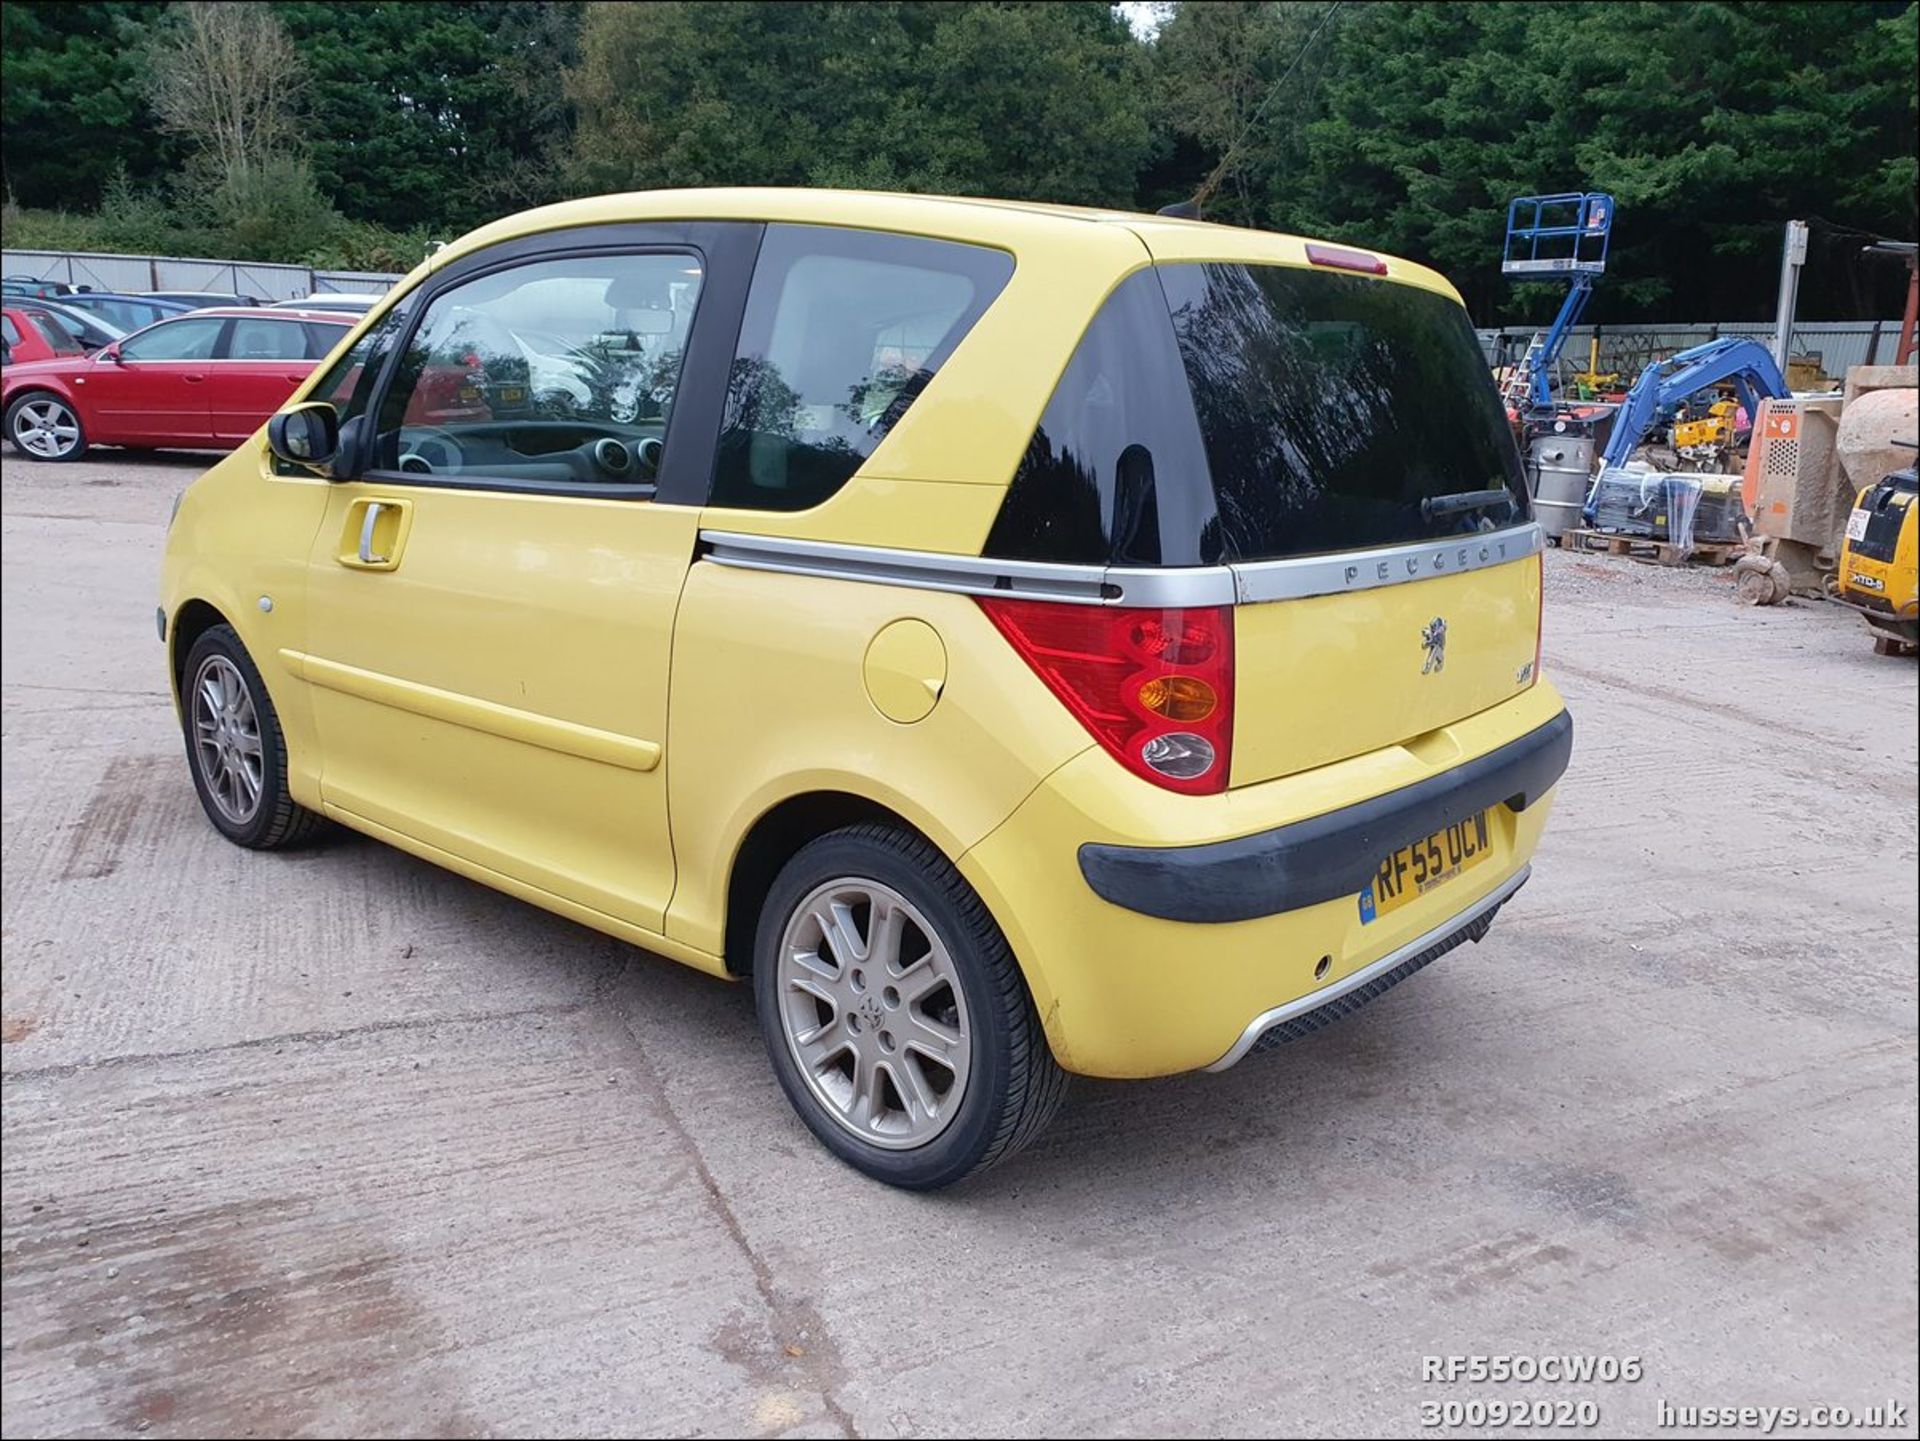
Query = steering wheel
x=429 y=450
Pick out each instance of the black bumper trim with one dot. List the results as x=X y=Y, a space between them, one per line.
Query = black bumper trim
x=1305 y=1024
x=1325 y=856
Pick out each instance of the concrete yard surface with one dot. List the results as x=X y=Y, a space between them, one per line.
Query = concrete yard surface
x=333 y=1142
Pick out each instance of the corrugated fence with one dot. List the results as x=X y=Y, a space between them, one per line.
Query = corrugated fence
x=137 y=273
x=1630 y=349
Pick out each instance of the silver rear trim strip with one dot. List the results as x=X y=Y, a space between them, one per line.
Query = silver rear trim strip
x=1391 y=565
x=973 y=575
x=1313 y=1000
x=1246 y=584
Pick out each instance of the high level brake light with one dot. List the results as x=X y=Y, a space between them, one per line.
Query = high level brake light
x=1154 y=687
x=1337 y=257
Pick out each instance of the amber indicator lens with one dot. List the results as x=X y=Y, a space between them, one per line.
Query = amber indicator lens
x=1179 y=697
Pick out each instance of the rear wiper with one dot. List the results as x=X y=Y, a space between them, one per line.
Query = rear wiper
x=1438 y=505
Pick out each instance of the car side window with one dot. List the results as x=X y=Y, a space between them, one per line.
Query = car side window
x=552 y=374
x=266 y=340
x=54 y=333
x=7 y=331
x=843 y=330
x=347 y=384
x=192 y=339
x=127 y=314
x=321 y=338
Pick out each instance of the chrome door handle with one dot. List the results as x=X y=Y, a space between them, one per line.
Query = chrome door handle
x=367 y=557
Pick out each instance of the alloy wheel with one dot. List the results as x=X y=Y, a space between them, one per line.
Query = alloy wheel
x=226 y=739
x=872 y=1010
x=45 y=428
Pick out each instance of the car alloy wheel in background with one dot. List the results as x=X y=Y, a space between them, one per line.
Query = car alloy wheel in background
x=45 y=427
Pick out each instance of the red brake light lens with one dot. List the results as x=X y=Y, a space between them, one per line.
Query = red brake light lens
x=1154 y=687
x=1336 y=257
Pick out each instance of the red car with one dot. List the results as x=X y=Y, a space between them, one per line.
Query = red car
x=32 y=334
x=203 y=380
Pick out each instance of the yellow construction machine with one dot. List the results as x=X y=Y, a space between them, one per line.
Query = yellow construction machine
x=1878 y=562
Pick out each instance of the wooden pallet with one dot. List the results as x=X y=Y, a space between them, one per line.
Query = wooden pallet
x=1660 y=552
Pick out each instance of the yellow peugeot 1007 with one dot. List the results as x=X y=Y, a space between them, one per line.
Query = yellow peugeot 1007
x=1023 y=640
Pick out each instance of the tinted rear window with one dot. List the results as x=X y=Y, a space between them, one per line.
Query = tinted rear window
x=1333 y=413
x=1116 y=470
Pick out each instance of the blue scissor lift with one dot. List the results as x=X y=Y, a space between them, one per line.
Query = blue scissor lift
x=1553 y=237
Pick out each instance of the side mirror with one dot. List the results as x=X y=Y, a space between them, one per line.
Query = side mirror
x=111 y=353
x=306 y=435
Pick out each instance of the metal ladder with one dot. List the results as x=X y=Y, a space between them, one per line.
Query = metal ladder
x=1516 y=391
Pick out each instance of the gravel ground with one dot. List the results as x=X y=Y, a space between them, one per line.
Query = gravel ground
x=337 y=1143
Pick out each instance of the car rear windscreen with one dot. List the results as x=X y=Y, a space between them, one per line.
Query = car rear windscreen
x=1218 y=413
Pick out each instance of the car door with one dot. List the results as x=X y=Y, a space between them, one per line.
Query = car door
x=492 y=595
x=263 y=359
x=151 y=389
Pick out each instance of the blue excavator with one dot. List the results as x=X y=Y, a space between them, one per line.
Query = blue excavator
x=1566 y=236
x=1664 y=385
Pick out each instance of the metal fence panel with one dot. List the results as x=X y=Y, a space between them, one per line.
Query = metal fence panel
x=1630 y=349
x=353 y=282
x=136 y=273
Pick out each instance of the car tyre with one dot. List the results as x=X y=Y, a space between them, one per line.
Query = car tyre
x=894 y=1012
x=42 y=426
x=236 y=750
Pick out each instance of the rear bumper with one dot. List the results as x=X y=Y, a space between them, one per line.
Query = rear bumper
x=1125 y=992
x=1328 y=855
x=1328 y=1004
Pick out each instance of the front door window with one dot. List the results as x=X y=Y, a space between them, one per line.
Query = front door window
x=554 y=374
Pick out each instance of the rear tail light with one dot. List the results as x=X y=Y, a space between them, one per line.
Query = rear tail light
x=1154 y=687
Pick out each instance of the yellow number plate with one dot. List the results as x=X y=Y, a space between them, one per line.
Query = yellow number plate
x=1414 y=870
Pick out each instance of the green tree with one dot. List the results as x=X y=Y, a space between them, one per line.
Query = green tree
x=1402 y=124
x=1433 y=119
x=1236 y=83
x=74 y=106
x=1711 y=123
x=1023 y=100
x=226 y=76
x=442 y=114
